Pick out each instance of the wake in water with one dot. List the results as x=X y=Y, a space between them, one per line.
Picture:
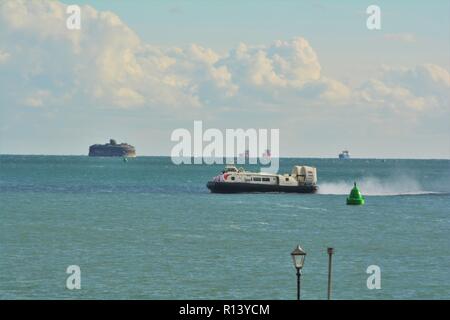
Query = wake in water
x=372 y=186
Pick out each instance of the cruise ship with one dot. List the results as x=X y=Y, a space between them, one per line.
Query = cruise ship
x=303 y=179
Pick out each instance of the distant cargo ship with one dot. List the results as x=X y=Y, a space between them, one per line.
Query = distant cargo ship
x=267 y=154
x=246 y=155
x=112 y=149
x=344 y=155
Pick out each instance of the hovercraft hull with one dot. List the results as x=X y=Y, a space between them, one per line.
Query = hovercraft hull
x=238 y=187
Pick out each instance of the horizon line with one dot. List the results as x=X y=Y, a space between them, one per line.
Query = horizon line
x=168 y=156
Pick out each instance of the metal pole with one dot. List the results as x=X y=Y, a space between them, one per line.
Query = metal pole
x=330 y=255
x=298 y=283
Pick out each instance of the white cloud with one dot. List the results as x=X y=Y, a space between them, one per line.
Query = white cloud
x=401 y=37
x=379 y=95
x=106 y=64
x=424 y=87
x=128 y=97
x=425 y=79
x=282 y=72
x=37 y=98
x=4 y=56
x=281 y=64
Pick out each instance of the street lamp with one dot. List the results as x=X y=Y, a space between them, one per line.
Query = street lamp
x=330 y=255
x=298 y=257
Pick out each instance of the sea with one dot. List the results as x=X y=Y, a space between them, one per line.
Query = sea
x=150 y=229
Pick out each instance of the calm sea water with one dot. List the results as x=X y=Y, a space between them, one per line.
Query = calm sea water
x=148 y=229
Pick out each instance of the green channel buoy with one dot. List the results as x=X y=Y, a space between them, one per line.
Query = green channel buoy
x=355 y=197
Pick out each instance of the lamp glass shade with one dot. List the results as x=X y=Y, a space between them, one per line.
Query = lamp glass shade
x=298 y=257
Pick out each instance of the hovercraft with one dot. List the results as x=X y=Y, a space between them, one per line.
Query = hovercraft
x=303 y=179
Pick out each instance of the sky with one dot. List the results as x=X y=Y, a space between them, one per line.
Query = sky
x=137 y=70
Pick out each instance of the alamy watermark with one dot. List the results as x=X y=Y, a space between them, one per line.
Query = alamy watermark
x=236 y=146
x=73 y=22
x=73 y=281
x=373 y=22
x=374 y=280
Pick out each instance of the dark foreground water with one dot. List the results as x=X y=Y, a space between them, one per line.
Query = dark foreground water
x=148 y=229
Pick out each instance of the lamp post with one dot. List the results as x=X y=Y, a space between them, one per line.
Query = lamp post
x=298 y=257
x=330 y=255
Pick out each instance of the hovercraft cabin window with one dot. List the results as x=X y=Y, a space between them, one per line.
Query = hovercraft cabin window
x=232 y=178
x=256 y=179
x=265 y=179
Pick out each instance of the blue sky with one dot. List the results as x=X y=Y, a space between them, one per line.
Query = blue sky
x=333 y=28
x=310 y=68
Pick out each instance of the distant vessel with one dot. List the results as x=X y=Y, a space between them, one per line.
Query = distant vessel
x=344 y=155
x=245 y=155
x=267 y=154
x=303 y=179
x=112 y=149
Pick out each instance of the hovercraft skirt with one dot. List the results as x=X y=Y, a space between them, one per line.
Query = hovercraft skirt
x=237 y=187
